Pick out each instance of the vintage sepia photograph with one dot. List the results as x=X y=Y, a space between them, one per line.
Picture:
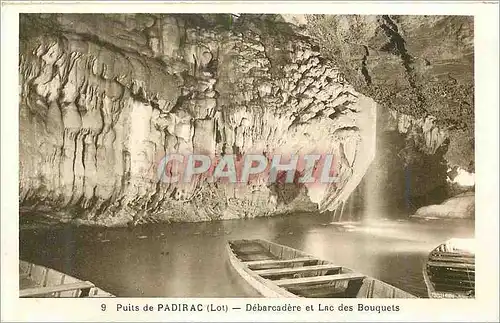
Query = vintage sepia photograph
x=244 y=155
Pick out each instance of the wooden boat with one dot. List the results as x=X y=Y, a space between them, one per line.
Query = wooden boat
x=449 y=271
x=279 y=271
x=40 y=281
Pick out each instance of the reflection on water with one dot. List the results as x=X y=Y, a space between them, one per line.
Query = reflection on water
x=189 y=259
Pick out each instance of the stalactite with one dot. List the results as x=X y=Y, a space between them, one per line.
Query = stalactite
x=108 y=107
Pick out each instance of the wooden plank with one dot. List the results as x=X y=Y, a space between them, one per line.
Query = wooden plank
x=452 y=287
x=27 y=283
x=278 y=262
x=241 y=242
x=250 y=252
x=317 y=279
x=249 y=248
x=451 y=278
x=259 y=257
x=38 y=274
x=284 y=271
x=452 y=254
x=451 y=265
x=318 y=291
x=24 y=267
x=276 y=250
x=468 y=285
x=264 y=287
x=454 y=259
x=455 y=272
x=38 y=291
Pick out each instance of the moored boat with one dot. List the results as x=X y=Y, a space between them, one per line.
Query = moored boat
x=40 y=281
x=275 y=270
x=449 y=271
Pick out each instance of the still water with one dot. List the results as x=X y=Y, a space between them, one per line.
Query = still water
x=189 y=259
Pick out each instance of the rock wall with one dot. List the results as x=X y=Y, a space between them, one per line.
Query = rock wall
x=420 y=70
x=461 y=206
x=104 y=97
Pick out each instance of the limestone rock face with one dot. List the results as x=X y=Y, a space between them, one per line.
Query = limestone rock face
x=461 y=206
x=419 y=68
x=105 y=97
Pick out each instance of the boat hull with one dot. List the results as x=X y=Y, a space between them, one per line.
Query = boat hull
x=449 y=271
x=275 y=270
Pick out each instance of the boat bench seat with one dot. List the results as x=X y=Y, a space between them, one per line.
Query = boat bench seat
x=452 y=254
x=284 y=271
x=39 y=291
x=320 y=291
x=318 y=279
x=467 y=260
x=452 y=265
x=277 y=262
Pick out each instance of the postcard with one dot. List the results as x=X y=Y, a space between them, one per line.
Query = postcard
x=239 y=162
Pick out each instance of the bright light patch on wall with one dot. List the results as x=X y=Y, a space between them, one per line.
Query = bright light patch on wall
x=463 y=178
x=455 y=244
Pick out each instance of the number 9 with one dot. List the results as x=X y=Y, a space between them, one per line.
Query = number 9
x=103 y=307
